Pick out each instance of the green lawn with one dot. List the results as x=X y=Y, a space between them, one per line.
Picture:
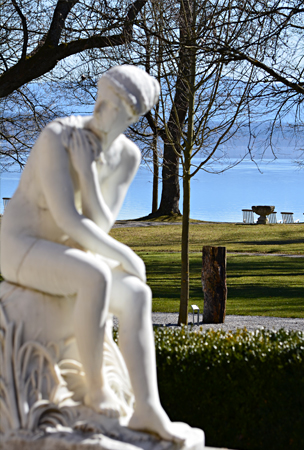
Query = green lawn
x=274 y=238
x=257 y=284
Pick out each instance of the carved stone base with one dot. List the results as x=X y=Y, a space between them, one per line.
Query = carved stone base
x=121 y=438
x=42 y=387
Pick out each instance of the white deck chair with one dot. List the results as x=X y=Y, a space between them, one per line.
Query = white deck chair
x=287 y=217
x=272 y=217
x=248 y=216
x=5 y=202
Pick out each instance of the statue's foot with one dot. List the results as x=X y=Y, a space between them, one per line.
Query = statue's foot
x=154 y=419
x=103 y=402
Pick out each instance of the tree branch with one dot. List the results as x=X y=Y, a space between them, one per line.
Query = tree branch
x=45 y=57
x=131 y=15
x=4 y=62
x=294 y=86
x=24 y=26
x=156 y=130
x=60 y=14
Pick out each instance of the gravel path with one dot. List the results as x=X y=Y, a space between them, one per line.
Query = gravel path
x=234 y=322
x=231 y=322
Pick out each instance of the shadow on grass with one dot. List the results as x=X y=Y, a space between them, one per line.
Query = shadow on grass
x=271 y=242
x=256 y=284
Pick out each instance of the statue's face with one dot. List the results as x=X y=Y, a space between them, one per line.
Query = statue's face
x=114 y=114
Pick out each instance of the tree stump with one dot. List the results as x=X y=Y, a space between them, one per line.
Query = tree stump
x=214 y=284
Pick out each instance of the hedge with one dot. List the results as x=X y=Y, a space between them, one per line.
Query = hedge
x=244 y=389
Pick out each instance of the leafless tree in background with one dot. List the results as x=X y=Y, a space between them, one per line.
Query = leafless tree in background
x=54 y=44
x=211 y=92
x=268 y=35
x=38 y=34
x=257 y=43
x=37 y=38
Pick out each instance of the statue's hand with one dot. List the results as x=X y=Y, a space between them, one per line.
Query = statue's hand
x=81 y=150
x=134 y=265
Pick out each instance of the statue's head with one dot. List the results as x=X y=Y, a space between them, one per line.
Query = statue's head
x=128 y=88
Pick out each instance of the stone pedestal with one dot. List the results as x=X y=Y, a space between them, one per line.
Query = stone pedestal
x=263 y=212
x=115 y=437
x=42 y=383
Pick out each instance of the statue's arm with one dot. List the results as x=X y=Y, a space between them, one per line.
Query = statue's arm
x=115 y=187
x=102 y=199
x=53 y=166
x=94 y=205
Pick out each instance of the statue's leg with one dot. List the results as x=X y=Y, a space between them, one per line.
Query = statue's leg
x=61 y=270
x=131 y=303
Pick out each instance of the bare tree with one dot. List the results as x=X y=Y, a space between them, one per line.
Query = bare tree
x=47 y=51
x=266 y=36
x=210 y=91
x=209 y=58
x=215 y=102
x=23 y=114
x=36 y=35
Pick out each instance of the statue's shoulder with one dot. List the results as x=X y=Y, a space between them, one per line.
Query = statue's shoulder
x=70 y=121
x=129 y=148
x=60 y=131
x=64 y=124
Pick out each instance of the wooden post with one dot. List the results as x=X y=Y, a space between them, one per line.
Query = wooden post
x=214 y=284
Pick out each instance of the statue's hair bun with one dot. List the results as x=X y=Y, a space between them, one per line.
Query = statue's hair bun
x=137 y=87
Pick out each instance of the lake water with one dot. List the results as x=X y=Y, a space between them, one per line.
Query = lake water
x=218 y=198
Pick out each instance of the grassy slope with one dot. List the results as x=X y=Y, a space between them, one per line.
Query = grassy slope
x=279 y=238
x=258 y=285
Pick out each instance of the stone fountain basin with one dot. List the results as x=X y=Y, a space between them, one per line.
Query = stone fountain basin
x=263 y=210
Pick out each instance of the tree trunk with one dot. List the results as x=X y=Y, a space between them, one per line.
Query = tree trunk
x=184 y=300
x=169 y=203
x=187 y=153
x=214 y=284
x=155 y=176
x=172 y=149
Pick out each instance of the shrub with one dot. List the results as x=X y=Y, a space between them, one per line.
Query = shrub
x=244 y=389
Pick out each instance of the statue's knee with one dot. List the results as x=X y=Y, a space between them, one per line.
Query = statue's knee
x=147 y=294
x=143 y=299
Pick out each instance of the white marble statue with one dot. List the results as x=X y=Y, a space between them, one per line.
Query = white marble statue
x=64 y=275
